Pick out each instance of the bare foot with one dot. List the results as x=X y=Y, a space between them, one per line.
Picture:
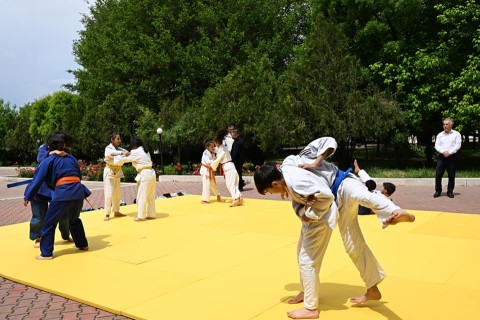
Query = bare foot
x=372 y=294
x=297 y=299
x=219 y=199
x=235 y=203
x=139 y=219
x=241 y=201
x=205 y=202
x=398 y=216
x=43 y=258
x=119 y=214
x=69 y=239
x=303 y=314
x=357 y=168
x=37 y=243
x=107 y=217
x=84 y=248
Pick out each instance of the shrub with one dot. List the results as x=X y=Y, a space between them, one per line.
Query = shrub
x=25 y=172
x=91 y=172
x=129 y=173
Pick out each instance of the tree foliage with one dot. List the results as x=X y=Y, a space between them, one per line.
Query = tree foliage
x=284 y=72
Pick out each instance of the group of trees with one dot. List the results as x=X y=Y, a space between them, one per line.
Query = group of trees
x=283 y=71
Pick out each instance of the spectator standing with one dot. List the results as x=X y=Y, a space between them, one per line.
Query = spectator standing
x=238 y=156
x=447 y=144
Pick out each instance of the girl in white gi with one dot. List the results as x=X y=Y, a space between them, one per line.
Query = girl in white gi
x=140 y=159
x=112 y=175
x=208 y=176
x=231 y=175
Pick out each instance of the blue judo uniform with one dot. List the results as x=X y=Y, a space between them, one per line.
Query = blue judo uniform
x=67 y=200
x=39 y=204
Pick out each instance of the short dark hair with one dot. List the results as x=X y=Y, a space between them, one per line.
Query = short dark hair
x=371 y=185
x=264 y=176
x=390 y=187
x=136 y=142
x=55 y=141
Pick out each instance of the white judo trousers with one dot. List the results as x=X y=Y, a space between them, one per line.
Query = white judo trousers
x=231 y=180
x=207 y=185
x=231 y=176
x=351 y=193
x=111 y=190
x=311 y=248
x=146 y=194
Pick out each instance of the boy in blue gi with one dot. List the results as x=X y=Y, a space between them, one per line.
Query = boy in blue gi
x=39 y=205
x=62 y=175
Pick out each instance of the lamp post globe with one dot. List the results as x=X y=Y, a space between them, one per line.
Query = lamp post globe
x=159 y=130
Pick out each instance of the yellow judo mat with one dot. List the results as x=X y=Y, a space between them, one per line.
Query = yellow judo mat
x=215 y=262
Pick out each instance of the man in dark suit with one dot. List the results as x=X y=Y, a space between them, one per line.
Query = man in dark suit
x=238 y=156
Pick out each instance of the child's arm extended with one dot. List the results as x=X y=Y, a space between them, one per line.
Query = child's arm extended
x=318 y=160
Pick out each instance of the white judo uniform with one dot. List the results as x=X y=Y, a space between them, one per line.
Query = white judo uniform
x=351 y=193
x=314 y=234
x=146 y=181
x=231 y=175
x=208 y=176
x=111 y=180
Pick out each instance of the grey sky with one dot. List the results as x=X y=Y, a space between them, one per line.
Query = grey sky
x=36 y=38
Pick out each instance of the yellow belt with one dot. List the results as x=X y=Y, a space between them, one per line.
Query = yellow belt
x=141 y=169
x=109 y=166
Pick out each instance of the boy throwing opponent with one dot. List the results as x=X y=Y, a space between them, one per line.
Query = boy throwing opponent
x=321 y=198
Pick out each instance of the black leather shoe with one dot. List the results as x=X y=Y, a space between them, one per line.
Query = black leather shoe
x=450 y=194
x=437 y=194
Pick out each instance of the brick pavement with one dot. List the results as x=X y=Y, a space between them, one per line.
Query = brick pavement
x=18 y=301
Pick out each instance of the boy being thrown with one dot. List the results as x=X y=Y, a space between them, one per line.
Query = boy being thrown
x=315 y=203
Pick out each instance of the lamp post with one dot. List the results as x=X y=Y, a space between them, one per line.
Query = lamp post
x=160 y=148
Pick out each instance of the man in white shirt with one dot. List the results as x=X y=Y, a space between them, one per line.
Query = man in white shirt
x=447 y=143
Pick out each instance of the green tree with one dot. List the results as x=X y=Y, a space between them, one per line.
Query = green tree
x=248 y=98
x=164 y=55
x=19 y=141
x=329 y=96
x=8 y=117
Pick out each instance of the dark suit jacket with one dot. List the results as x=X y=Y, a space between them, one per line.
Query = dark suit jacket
x=238 y=151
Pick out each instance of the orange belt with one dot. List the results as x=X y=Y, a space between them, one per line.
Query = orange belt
x=211 y=174
x=67 y=180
